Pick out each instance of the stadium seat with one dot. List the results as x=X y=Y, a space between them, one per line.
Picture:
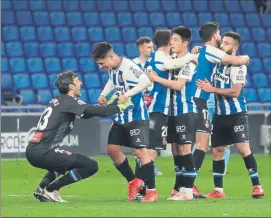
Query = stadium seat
x=6 y=81
x=200 y=6
x=84 y=95
x=258 y=34
x=267 y=65
x=250 y=94
x=255 y=66
x=269 y=33
x=3 y=50
x=28 y=96
x=160 y=28
x=48 y=49
x=44 y=96
x=237 y=20
x=248 y=82
x=92 y=19
x=94 y=95
x=104 y=78
x=69 y=64
x=129 y=34
x=92 y=80
x=14 y=49
x=264 y=94
x=108 y=19
x=17 y=65
x=185 y=5
x=57 y=18
x=55 y=92
x=216 y=6
x=10 y=33
x=82 y=49
x=41 y=18
x=225 y=29
x=27 y=34
x=24 y=18
x=6 y=5
x=65 y=49
x=244 y=33
x=222 y=19
x=190 y=19
x=204 y=17
x=266 y=20
x=248 y=6
x=169 y=5
x=19 y=5
x=195 y=34
x=54 y=5
x=95 y=34
x=104 y=5
x=120 y=5
x=232 y=6
x=52 y=65
x=7 y=18
x=264 y=49
x=45 y=34
x=153 y=6
x=173 y=19
x=139 y=6
x=87 y=65
x=131 y=50
x=62 y=34
x=71 y=5
x=260 y=80
x=253 y=20
x=39 y=80
x=74 y=18
x=141 y=19
x=52 y=80
x=21 y=80
x=145 y=31
x=35 y=65
x=112 y=34
x=79 y=34
x=249 y=49
x=157 y=19
x=118 y=48
x=4 y=65
x=87 y=5
x=124 y=19
x=36 y=5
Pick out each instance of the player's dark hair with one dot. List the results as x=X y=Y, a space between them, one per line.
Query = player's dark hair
x=64 y=80
x=207 y=30
x=100 y=50
x=161 y=38
x=183 y=32
x=236 y=36
x=142 y=40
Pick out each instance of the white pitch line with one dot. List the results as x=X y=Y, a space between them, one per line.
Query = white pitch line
x=19 y=196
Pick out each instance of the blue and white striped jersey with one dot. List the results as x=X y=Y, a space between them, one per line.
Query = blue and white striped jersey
x=224 y=77
x=211 y=101
x=139 y=63
x=209 y=56
x=124 y=78
x=182 y=101
x=160 y=94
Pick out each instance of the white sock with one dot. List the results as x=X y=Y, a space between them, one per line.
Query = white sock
x=188 y=192
x=219 y=190
x=182 y=189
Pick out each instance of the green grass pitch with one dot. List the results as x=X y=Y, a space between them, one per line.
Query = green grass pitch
x=104 y=194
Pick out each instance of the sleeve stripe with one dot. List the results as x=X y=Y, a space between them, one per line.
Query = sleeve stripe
x=132 y=82
x=158 y=62
x=207 y=53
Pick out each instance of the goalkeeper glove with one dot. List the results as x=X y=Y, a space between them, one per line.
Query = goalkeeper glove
x=112 y=99
x=126 y=105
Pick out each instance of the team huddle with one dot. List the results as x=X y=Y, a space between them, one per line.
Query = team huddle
x=158 y=98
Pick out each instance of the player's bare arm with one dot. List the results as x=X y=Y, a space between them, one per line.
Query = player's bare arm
x=107 y=89
x=236 y=60
x=176 y=63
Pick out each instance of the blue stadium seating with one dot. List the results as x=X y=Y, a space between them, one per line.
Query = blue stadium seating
x=92 y=19
x=21 y=80
x=6 y=81
x=253 y=20
x=173 y=19
x=157 y=19
x=222 y=19
x=124 y=19
x=260 y=80
x=131 y=50
x=200 y=6
x=44 y=96
x=48 y=49
x=54 y=5
x=62 y=34
x=250 y=94
x=244 y=33
x=255 y=65
x=145 y=31
x=17 y=65
x=104 y=5
x=249 y=49
x=57 y=18
x=204 y=17
x=52 y=65
x=119 y=5
x=108 y=19
x=6 y=5
x=4 y=65
x=195 y=34
x=232 y=6
x=24 y=18
x=36 y=5
x=65 y=49
x=129 y=34
x=185 y=5
x=95 y=34
x=190 y=19
x=28 y=33
x=94 y=95
x=237 y=20
x=20 y=5
x=3 y=50
x=264 y=49
x=8 y=18
x=264 y=94
x=14 y=49
x=269 y=33
x=249 y=83
x=55 y=92
x=92 y=80
x=45 y=34
x=267 y=64
x=248 y=6
x=112 y=34
x=39 y=80
x=216 y=6
x=104 y=78
x=139 y=6
x=10 y=33
x=87 y=65
x=79 y=34
x=35 y=65
x=74 y=18
x=28 y=96
x=52 y=79
x=258 y=34
x=69 y=64
x=141 y=19
x=118 y=48
x=41 y=18
x=71 y=5
x=87 y=5
x=266 y=20
x=84 y=95
x=82 y=49
x=153 y=6
x=225 y=29
x=169 y=5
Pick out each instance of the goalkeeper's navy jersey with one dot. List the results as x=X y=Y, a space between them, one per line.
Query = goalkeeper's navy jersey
x=160 y=94
x=224 y=77
x=209 y=56
x=124 y=78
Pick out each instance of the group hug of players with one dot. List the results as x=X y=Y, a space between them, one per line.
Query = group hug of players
x=158 y=99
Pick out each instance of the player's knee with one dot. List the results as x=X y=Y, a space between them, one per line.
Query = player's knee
x=218 y=153
x=92 y=168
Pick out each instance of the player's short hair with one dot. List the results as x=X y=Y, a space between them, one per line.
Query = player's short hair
x=207 y=30
x=142 y=40
x=183 y=32
x=64 y=80
x=161 y=38
x=236 y=36
x=101 y=50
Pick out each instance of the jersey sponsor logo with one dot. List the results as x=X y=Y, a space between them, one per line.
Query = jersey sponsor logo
x=239 y=128
x=180 y=128
x=119 y=90
x=134 y=132
x=186 y=71
x=54 y=101
x=135 y=71
x=37 y=137
x=220 y=77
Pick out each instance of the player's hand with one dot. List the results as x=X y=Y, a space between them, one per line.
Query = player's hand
x=153 y=76
x=196 y=49
x=127 y=105
x=122 y=99
x=205 y=86
x=102 y=99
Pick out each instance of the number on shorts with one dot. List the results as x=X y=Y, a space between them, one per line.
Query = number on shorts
x=44 y=118
x=205 y=114
x=164 y=131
